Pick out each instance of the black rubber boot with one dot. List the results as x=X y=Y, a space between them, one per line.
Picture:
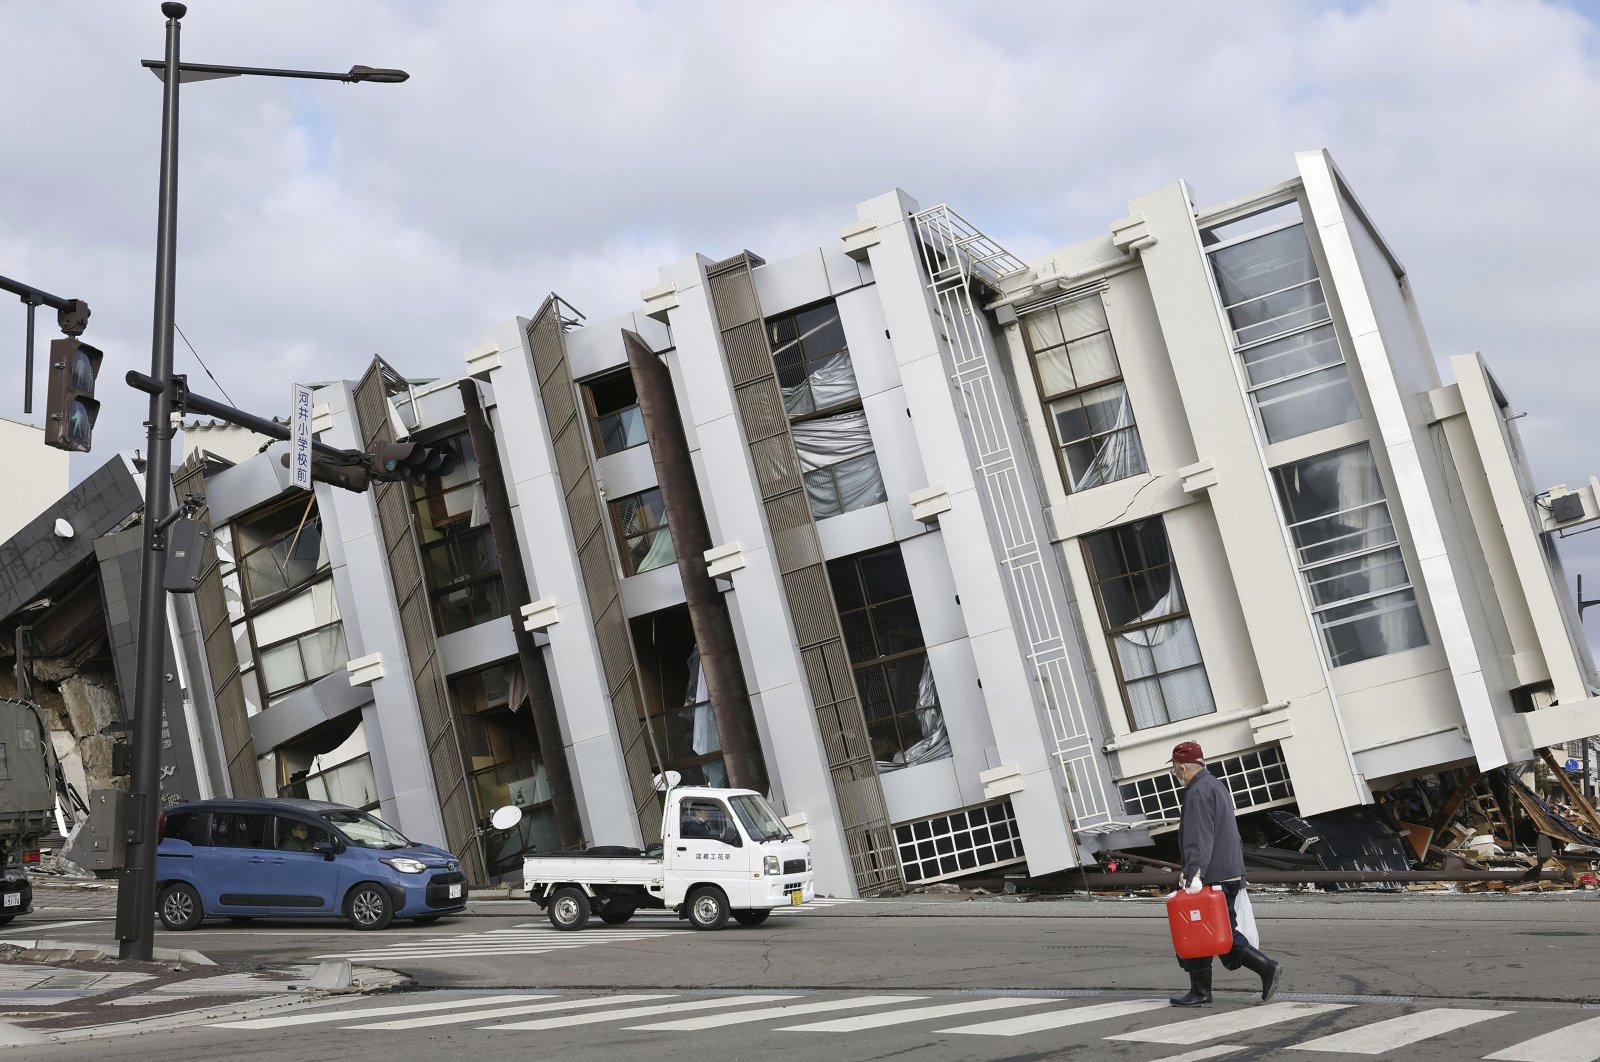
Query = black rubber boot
x=1199 y=992
x=1270 y=971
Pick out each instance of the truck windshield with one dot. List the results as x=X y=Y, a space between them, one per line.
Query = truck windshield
x=759 y=820
x=365 y=831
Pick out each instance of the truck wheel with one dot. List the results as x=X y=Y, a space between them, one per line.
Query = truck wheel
x=180 y=907
x=751 y=918
x=708 y=908
x=616 y=917
x=569 y=908
x=368 y=907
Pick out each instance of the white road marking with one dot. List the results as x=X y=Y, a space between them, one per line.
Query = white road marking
x=63 y=925
x=717 y=1021
x=505 y=1012
x=1214 y=1051
x=639 y=1012
x=462 y=954
x=1567 y=1044
x=902 y=1017
x=1060 y=1019
x=318 y=1016
x=1387 y=1035
x=1216 y=1026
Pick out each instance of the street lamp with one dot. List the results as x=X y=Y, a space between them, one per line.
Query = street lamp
x=136 y=895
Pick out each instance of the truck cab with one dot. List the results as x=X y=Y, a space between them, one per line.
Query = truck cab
x=724 y=853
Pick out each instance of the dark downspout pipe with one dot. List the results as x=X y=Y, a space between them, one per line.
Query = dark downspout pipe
x=541 y=701
x=708 y=612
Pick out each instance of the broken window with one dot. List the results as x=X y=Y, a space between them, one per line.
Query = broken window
x=460 y=562
x=893 y=677
x=1147 y=623
x=640 y=521
x=614 y=412
x=507 y=770
x=838 y=463
x=1080 y=381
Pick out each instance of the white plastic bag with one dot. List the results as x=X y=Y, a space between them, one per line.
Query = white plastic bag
x=1245 y=915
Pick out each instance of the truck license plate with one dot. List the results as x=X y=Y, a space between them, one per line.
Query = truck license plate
x=455 y=892
x=13 y=899
x=796 y=898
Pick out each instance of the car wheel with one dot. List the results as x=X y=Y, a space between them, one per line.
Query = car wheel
x=569 y=908
x=368 y=907
x=616 y=916
x=180 y=907
x=708 y=908
x=423 y=920
x=751 y=918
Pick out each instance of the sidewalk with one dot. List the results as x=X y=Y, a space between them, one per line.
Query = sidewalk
x=52 y=991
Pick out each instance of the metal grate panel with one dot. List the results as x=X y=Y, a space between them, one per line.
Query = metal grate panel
x=748 y=356
x=761 y=410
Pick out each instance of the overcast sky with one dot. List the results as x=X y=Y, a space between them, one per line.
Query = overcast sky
x=576 y=147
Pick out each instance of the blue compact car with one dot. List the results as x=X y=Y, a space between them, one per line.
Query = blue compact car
x=284 y=858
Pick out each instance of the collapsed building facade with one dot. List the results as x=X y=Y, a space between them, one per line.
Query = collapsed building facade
x=941 y=548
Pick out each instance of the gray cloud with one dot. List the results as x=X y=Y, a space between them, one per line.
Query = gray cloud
x=545 y=146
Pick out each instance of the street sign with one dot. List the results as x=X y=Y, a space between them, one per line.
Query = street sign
x=300 y=439
x=1571 y=764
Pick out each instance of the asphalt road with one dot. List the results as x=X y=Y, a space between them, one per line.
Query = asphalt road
x=1464 y=977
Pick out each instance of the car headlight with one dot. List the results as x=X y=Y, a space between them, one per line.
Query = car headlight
x=404 y=865
x=770 y=864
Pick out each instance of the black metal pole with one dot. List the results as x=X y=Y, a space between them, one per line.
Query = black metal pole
x=136 y=895
x=27 y=362
x=210 y=407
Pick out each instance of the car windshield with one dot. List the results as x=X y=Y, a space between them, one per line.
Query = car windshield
x=365 y=831
x=760 y=822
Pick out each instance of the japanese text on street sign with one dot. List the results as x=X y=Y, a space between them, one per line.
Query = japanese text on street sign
x=300 y=438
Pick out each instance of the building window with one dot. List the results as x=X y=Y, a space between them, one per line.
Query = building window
x=459 y=559
x=693 y=747
x=1080 y=381
x=1147 y=623
x=291 y=635
x=813 y=361
x=893 y=677
x=641 y=526
x=827 y=422
x=1349 y=554
x=351 y=783
x=1267 y=279
x=961 y=842
x=1256 y=779
x=614 y=412
x=506 y=769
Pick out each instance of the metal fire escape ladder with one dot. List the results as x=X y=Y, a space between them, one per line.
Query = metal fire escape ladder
x=956 y=254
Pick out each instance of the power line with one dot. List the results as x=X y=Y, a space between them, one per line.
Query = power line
x=203 y=365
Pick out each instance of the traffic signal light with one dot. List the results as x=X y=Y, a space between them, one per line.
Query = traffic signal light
x=411 y=461
x=72 y=409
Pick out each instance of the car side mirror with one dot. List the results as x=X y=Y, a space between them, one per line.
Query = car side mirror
x=329 y=849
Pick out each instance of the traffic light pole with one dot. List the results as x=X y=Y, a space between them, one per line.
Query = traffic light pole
x=136 y=900
x=73 y=315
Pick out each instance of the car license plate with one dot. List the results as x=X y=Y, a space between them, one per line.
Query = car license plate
x=13 y=899
x=455 y=892
x=796 y=898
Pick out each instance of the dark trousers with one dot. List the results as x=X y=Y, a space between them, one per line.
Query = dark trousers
x=1232 y=960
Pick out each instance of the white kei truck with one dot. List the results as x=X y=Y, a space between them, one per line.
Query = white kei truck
x=723 y=853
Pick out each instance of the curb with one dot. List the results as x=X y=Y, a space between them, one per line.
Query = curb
x=188 y=956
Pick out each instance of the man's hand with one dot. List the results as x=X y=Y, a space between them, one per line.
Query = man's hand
x=1194 y=885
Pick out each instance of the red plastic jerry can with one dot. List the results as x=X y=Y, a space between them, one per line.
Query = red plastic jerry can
x=1200 y=923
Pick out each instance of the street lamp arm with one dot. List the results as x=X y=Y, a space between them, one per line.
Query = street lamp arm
x=207 y=71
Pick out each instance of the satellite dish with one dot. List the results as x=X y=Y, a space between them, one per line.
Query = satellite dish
x=506 y=817
x=667 y=780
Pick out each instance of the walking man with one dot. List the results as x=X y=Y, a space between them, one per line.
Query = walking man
x=1208 y=836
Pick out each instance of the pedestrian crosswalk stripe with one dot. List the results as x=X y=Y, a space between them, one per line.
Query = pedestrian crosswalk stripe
x=1214 y=1051
x=1058 y=1019
x=463 y=953
x=319 y=1016
x=504 y=1012
x=902 y=1017
x=1216 y=1026
x=1575 y=1043
x=717 y=1021
x=1381 y=1036
x=639 y=1012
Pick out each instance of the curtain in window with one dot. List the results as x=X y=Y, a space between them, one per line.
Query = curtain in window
x=659 y=554
x=841 y=444
x=698 y=700
x=1116 y=455
x=935 y=741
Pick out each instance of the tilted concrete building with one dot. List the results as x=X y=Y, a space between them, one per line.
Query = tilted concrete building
x=942 y=548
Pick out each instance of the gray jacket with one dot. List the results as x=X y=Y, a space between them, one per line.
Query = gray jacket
x=1208 y=833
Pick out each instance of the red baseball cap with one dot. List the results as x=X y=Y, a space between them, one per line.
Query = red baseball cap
x=1187 y=752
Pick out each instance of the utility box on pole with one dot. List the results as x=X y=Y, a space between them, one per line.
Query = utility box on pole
x=105 y=829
